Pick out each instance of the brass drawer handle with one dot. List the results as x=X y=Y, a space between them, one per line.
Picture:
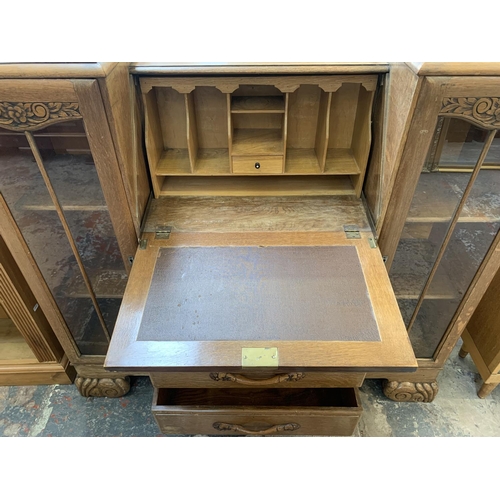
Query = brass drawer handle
x=221 y=426
x=240 y=379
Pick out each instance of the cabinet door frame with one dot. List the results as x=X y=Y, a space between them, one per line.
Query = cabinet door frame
x=63 y=100
x=435 y=95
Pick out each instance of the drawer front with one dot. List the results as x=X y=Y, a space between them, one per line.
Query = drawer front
x=258 y=165
x=286 y=380
x=186 y=412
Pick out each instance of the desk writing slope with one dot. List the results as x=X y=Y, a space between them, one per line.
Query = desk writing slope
x=195 y=300
x=258 y=293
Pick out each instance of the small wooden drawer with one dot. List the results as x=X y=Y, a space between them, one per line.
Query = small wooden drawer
x=258 y=165
x=257 y=412
x=285 y=380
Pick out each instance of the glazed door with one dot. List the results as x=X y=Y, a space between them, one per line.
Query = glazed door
x=451 y=227
x=61 y=187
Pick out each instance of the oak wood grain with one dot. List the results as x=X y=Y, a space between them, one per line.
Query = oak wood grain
x=282 y=82
x=154 y=68
x=14 y=90
x=256 y=186
x=206 y=380
x=56 y=70
x=107 y=167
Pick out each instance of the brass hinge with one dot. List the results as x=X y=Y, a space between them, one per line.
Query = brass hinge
x=352 y=232
x=143 y=244
x=162 y=232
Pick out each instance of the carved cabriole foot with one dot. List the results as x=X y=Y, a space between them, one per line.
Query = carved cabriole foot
x=417 y=392
x=103 y=387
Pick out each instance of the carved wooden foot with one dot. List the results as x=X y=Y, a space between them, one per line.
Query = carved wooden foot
x=103 y=387
x=417 y=392
x=485 y=390
x=463 y=353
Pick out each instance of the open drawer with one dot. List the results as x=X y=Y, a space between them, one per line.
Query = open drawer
x=257 y=412
x=238 y=287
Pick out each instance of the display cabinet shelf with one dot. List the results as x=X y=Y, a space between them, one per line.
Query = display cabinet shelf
x=258 y=104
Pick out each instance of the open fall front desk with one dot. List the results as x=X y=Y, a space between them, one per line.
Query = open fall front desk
x=258 y=300
x=262 y=331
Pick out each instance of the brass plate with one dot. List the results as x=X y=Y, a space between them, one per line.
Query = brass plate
x=259 y=356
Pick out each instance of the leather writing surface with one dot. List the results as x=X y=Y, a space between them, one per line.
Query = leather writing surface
x=258 y=293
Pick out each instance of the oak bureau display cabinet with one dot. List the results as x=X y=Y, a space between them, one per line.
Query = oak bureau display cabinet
x=439 y=213
x=258 y=300
x=73 y=188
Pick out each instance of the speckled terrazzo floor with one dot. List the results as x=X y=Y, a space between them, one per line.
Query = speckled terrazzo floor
x=61 y=411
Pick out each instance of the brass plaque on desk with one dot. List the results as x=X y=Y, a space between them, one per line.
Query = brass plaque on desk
x=259 y=356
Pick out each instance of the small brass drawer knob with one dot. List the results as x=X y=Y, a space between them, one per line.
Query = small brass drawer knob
x=257 y=165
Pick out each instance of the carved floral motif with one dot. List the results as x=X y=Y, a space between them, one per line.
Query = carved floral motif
x=482 y=110
x=30 y=115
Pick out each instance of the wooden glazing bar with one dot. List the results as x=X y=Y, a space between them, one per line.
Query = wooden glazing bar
x=453 y=223
x=67 y=230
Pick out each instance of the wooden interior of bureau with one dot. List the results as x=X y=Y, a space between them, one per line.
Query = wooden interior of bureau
x=221 y=126
x=248 y=168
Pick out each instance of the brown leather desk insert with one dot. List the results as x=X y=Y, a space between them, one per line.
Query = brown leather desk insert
x=258 y=293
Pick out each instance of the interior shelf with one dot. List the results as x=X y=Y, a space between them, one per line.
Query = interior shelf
x=256 y=186
x=212 y=162
x=257 y=141
x=341 y=161
x=174 y=162
x=302 y=162
x=257 y=104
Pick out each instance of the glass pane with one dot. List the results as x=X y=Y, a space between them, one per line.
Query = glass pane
x=461 y=144
x=24 y=190
x=436 y=199
x=72 y=172
x=472 y=237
